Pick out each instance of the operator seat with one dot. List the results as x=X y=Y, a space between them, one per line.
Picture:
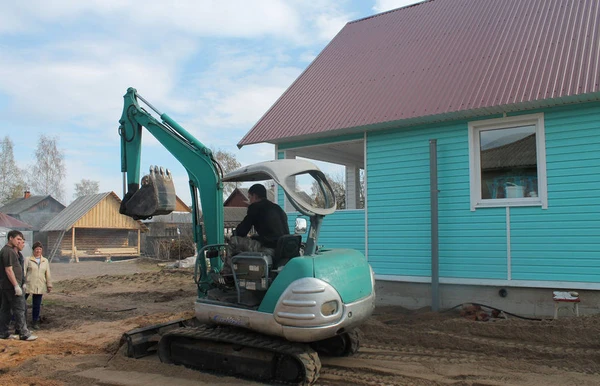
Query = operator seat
x=288 y=247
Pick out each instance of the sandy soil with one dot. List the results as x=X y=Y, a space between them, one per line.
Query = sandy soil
x=95 y=302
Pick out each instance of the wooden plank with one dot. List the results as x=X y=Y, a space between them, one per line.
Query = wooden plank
x=115 y=251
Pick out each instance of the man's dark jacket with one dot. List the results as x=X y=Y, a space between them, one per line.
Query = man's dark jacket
x=269 y=221
x=10 y=258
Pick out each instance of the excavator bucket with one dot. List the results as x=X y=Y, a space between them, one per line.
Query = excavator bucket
x=156 y=196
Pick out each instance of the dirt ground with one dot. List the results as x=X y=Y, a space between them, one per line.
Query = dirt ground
x=94 y=302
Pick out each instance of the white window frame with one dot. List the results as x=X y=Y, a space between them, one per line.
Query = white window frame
x=475 y=128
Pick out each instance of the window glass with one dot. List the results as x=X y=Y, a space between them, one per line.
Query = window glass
x=508 y=163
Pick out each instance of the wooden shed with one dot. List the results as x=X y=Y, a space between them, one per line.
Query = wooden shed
x=91 y=226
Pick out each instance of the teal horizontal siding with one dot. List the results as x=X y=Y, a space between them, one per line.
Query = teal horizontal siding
x=561 y=243
x=399 y=231
x=342 y=229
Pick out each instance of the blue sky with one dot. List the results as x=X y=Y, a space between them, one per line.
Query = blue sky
x=213 y=66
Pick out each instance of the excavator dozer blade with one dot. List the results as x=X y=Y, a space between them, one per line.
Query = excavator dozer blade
x=155 y=197
x=144 y=341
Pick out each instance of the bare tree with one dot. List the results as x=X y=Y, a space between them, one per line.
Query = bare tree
x=339 y=190
x=228 y=163
x=86 y=187
x=12 y=183
x=49 y=171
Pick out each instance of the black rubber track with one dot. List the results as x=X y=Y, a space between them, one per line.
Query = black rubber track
x=299 y=355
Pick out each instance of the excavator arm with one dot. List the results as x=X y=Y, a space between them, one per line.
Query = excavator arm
x=156 y=194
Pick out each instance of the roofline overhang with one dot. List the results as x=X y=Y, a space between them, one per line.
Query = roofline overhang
x=437 y=118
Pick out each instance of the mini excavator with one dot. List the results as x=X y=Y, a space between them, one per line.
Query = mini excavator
x=279 y=311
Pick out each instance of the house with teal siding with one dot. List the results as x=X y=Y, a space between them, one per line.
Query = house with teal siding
x=492 y=107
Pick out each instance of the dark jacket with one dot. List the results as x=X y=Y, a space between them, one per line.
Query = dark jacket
x=10 y=258
x=268 y=220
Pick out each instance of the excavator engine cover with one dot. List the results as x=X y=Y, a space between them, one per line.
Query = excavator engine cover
x=155 y=197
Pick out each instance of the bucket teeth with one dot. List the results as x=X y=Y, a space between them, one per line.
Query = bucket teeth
x=156 y=196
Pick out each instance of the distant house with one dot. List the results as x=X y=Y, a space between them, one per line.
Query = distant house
x=36 y=211
x=232 y=216
x=91 y=226
x=498 y=101
x=235 y=208
x=8 y=223
x=165 y=228
x=239 y=198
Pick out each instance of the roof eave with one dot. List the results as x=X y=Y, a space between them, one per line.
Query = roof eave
x=435 y=118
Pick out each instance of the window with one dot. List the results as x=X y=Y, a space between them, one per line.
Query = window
x=508 y=162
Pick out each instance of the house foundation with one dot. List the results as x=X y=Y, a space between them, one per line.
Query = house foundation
x=521 y=301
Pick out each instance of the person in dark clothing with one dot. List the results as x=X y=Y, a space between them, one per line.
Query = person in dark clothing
x=269 y=222
x=268 y=219
x=12 y=279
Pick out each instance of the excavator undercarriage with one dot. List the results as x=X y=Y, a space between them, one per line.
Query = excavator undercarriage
x=237 y=352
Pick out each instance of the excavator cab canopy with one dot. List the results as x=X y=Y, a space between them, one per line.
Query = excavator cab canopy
x=291 y=175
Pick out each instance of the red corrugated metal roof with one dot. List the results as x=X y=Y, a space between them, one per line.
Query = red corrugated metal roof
x=439 y=58
x=11 y=222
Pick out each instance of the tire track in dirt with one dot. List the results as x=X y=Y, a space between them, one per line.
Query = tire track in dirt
x=334 y=375
x=475 y=349
x=414 y=354
x=384 y=364
x=529 y=346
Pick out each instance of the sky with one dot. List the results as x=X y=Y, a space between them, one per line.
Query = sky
x=214 y=66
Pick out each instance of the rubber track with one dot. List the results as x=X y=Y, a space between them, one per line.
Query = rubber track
x=240 y=337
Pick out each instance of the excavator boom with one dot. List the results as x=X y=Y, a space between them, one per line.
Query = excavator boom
x=155 y=194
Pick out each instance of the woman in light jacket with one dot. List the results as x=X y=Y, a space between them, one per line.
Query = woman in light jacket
x=37 y=281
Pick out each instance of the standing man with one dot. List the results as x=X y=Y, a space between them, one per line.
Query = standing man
x=12 y=278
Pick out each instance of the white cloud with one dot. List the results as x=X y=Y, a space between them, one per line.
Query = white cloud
x=243 y=107
x=215 y=67
x=82 y=83
x=242 y=100
x=329 y=25
x=387 y=5
x=234 y=18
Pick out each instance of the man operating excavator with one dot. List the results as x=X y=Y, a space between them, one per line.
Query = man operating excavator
x=269 y=221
